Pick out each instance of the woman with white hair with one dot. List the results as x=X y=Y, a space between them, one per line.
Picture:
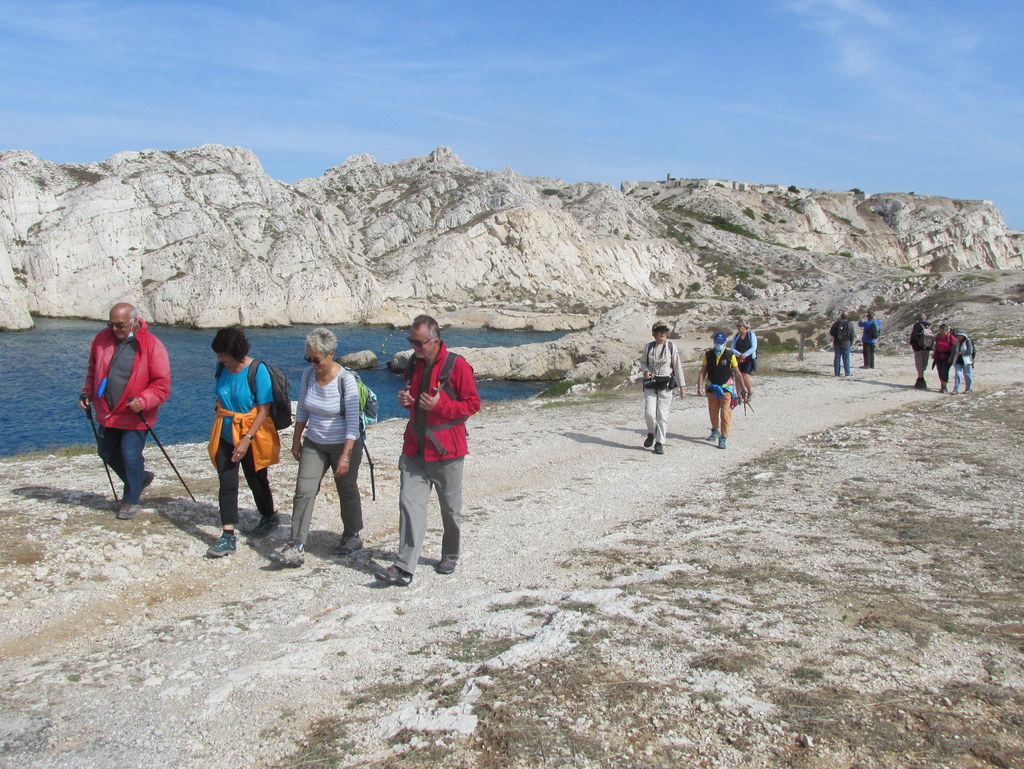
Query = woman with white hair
x=327 y=434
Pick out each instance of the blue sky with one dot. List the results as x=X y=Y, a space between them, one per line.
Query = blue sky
x=918 y=96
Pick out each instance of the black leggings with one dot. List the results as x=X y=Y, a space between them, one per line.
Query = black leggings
x=227 y=473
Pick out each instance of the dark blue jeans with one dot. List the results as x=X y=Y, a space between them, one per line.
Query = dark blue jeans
x=842 y=356
x=122 y=451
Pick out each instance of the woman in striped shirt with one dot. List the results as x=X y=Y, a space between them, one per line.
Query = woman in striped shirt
x=327 y=435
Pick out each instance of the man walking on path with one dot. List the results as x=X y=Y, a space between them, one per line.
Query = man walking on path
x=842 y=334
x=663 y=373
x=129 y=376
x=870 y=330
x=441 y=395
x=721 y=369
x=921 y=341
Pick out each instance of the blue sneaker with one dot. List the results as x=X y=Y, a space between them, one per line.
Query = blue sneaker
x=225 y=545
x=721 y=442
x=715 y=435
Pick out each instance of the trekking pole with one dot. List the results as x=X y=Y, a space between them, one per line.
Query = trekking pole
x=158 y=443
x=96 y=435
x=369 y=461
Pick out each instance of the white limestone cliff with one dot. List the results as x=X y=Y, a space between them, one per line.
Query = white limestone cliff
x=204 y=237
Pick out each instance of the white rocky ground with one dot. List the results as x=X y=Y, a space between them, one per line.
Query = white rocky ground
x=840 y=587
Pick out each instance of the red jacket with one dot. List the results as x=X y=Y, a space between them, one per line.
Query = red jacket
x=452 y=439
x=150 y=381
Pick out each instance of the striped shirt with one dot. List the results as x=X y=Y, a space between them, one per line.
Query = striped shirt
x=328 y=420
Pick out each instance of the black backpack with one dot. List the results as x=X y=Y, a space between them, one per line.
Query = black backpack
x=281 y=406
x=844 y=332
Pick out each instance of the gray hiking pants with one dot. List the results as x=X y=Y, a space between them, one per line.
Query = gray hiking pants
x=418 y=478
x=316 y=460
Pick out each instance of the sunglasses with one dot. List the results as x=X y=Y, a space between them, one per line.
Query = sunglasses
x=417 y=343
x=311 y=359
x=120 y=326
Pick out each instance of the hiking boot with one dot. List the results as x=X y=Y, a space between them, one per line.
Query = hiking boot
x=445 y=566
x=348 y=544
x=147 y=479
x=659 y=449
x=649 y=441
x=127 y=512
x=291 y=555
x=392 y=575
x=266 y=525
x=225 y=545
x=715 y=435
x=721 y=442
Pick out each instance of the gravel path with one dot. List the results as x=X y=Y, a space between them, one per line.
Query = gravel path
x=123 y=646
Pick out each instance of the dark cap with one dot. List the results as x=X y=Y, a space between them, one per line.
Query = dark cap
x=659 y=327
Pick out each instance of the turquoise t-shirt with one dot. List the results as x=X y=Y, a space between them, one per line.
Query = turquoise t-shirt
x=234 y=394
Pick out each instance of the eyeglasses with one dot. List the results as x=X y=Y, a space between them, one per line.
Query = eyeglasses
x=122 y=325
x=310 y=359
x=420 y=343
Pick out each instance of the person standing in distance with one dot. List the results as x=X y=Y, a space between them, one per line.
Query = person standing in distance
x=744 y=347
x=870 y=331
x=842 y=334
x=921 y=341
x=128 y=377
x=441 y=395
x=663 y=372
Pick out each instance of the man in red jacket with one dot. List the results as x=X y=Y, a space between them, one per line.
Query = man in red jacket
x=440 y=395
x=128 y=378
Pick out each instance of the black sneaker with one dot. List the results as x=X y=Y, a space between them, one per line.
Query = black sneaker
x=266 y=525
x=650 y=441
x=392 y=575
x=348 y=544
x=147 y=479
x=445 y=566
x=659 y=449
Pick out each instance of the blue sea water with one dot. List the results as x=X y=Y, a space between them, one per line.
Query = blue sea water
x=41 y=375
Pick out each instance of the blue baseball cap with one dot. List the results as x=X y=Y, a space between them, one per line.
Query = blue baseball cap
x=719 y=338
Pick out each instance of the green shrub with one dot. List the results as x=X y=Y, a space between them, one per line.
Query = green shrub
x=721 y=223
x=793 y=188
x=693 y=288
x=557 y=390
x=749 y=212
x=549 y=191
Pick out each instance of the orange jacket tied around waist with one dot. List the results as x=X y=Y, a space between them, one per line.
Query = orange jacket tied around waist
x=265 y=447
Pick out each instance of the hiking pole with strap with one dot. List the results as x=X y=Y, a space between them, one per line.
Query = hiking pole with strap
x=158 y=443
x=96 y=435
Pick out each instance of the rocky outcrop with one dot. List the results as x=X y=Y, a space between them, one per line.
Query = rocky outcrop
x=608 y=348
x=204 y=237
